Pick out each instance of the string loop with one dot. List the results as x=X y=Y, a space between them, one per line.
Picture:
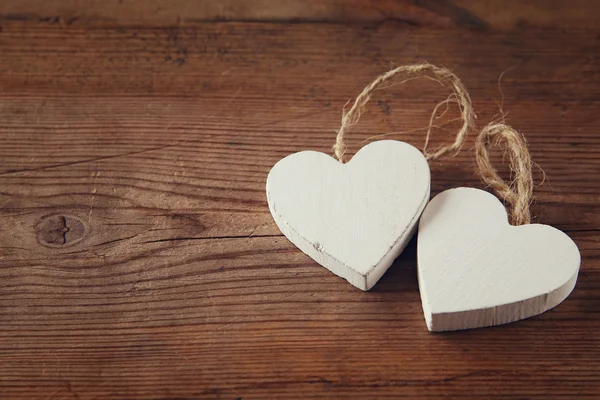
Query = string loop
x=442 y=75
x=519 y=193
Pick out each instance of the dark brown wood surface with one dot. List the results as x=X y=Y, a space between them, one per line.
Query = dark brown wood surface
x=138 y=258
x=497 y=14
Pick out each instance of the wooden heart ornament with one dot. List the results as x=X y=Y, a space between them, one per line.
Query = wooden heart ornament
x=476 y=270
x=355 y=218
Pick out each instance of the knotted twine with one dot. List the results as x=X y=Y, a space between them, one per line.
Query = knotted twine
x=519 y=193
x=442 y=75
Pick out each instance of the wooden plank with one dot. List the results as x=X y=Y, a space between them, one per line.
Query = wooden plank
x=159 y=141
x=471 y=14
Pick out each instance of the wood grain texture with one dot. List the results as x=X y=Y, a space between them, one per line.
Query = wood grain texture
x=470 y=14
x=160 y=140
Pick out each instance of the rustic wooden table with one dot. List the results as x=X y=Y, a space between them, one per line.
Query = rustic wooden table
x=138 y=258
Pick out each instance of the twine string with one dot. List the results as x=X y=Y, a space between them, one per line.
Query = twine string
x=519 y=192
x=443 y=76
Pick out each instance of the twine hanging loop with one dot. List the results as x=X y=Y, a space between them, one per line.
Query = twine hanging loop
x=519 y=192
x=443 y=76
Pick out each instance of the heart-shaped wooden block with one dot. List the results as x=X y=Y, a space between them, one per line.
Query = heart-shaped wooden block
x=355 y=218
x=476 y=270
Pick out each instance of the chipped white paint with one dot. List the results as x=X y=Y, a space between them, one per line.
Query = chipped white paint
x=355 y=218
x=476 y=270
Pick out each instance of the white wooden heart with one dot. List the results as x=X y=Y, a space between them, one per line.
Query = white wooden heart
x=355 y=218
x=476 y=270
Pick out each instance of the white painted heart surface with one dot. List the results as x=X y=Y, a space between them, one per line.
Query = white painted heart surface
x=355 y=218
x=476 y=270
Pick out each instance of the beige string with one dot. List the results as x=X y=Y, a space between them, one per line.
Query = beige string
x=519 y=192
x=460 y=96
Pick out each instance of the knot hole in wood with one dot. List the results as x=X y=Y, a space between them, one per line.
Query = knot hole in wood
x=60 y=230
